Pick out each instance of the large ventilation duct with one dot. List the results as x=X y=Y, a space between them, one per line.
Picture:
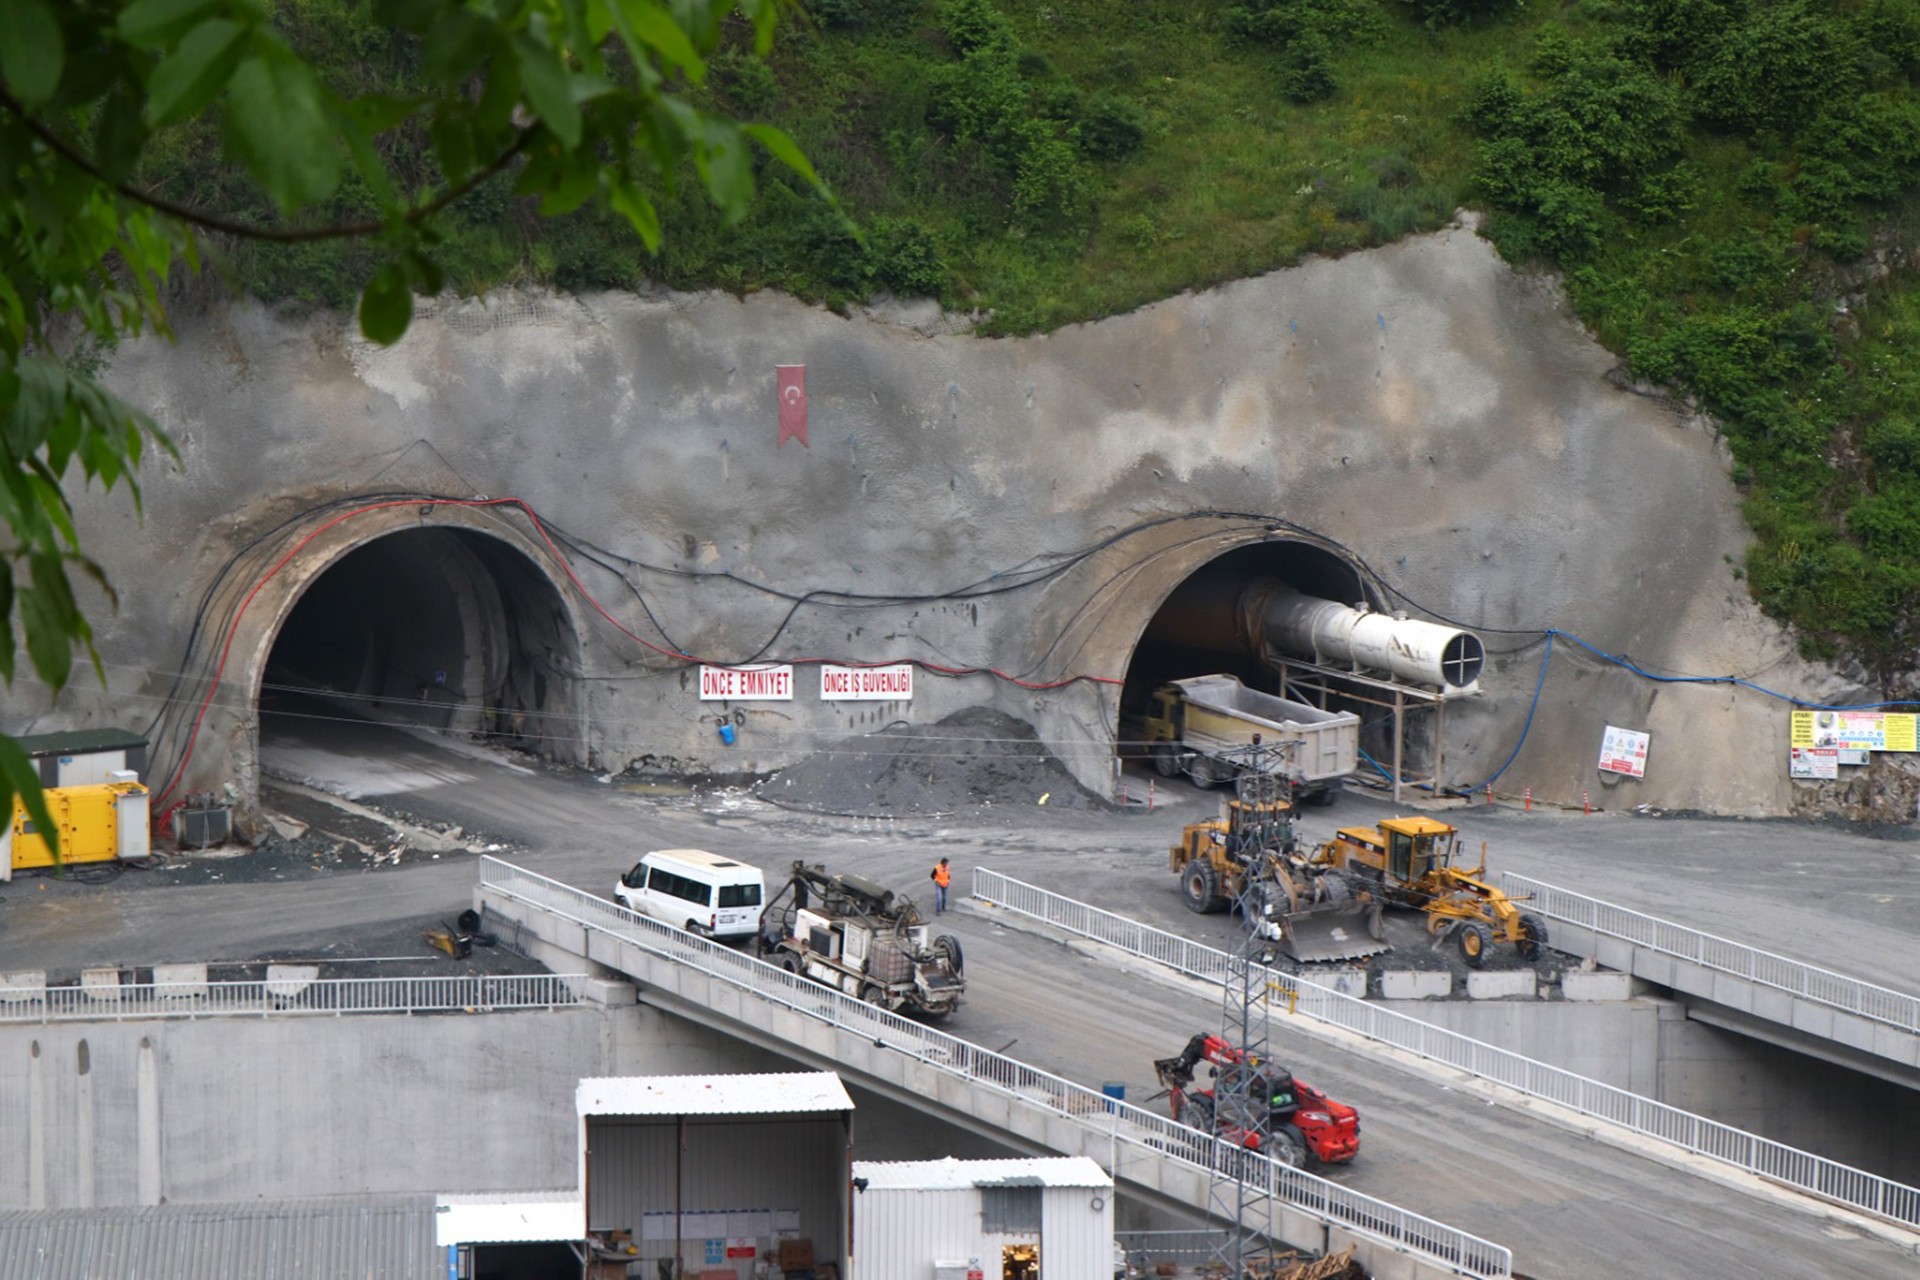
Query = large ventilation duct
x=1267 y=616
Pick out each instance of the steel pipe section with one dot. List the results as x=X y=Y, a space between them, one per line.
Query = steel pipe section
x=1266 y=615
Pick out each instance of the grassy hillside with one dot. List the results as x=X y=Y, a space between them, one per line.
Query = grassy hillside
x=1729 y=186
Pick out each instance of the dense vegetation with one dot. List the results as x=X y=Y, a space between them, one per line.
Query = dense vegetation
x=1729 y=187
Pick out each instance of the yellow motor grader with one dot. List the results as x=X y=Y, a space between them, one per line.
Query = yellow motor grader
x=1410 y=862
x=1248 y=859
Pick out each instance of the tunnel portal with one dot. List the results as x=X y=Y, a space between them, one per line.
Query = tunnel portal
x=443 y=628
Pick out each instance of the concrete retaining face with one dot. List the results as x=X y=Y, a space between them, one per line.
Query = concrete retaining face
x=936 y=459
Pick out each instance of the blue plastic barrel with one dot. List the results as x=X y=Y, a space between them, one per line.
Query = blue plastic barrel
x=1115 y=1090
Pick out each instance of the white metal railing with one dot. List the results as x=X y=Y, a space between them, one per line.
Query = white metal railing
x=281 y=997
x=1111 y=1119
x=1808 y=982
x=1856 y=1189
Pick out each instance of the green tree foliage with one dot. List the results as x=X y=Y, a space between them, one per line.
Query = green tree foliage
x=570 y=102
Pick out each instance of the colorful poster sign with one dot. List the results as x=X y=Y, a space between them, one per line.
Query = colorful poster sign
x=1855 y=730
x=1813 y=762
x=892 y=683
x=1624 y=751
x=746 y=684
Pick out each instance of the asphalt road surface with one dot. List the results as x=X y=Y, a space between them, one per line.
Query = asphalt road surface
x=1566 y=1204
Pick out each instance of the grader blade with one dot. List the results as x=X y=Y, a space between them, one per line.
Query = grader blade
x=1329 y=933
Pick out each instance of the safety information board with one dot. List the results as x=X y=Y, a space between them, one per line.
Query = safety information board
x=1814 y=762
x=1855 y=730
x=1624 y=751
x=746 y=684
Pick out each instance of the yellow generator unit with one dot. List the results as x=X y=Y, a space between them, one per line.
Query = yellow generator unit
x=98 y=822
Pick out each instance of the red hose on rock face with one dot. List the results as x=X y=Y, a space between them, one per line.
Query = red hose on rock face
x=233 y=628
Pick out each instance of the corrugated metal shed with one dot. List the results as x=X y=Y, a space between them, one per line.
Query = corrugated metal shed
x=385 y=1238
x=951 y=1174
x=784 y=1093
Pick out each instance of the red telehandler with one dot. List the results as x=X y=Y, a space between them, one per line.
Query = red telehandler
x=1290 y=1118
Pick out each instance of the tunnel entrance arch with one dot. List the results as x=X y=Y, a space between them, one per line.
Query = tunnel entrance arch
x=423 y=590
x=437 y=627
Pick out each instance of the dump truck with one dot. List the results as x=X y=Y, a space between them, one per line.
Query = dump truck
x=1214 y=728
x=1249 y=859
x=857 y=936
x=1286 y=1117
x=1410 y=862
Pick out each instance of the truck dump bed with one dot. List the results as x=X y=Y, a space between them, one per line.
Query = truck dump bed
x=1222 y=714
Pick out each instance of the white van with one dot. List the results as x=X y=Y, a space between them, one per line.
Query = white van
x=701 y=892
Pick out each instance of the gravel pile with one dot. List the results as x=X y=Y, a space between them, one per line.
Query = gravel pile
x=973 y=760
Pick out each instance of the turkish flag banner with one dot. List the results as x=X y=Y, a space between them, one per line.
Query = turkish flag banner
x=793 y=403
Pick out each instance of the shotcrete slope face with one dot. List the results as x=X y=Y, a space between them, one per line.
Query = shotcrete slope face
x=1418 y=418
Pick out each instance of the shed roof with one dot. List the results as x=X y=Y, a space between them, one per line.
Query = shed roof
x=79 y=742
x=387 y=1236
x=956 y=1175
x=510 y=1218
x=796 y=1091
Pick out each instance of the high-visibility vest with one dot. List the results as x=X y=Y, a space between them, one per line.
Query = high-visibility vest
x=942 y=876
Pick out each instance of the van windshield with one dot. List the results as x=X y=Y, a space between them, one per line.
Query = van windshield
x=739 y=895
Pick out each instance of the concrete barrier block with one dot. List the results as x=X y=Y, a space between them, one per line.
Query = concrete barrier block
x=1348 y=982
x=100 y=984
x=22 y=984
x=1597 y=986
x=290 y=980
x=181 y=981
x=1416 y=984
x=606 y=991
x=1502 y=984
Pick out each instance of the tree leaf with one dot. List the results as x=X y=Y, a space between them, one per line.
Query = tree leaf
x=152 y=22
x=6 y=623
x=118 y=135
x=281 y=131
x=32 y=52
x=452 y=146
x=549 y=91
x=190 y=77
x=19 y=778
x=786 y=151
x=50 y=629
x=647 y=24
x=386 y=308
x=632 y=204
x=457 y=44
x=726 y=166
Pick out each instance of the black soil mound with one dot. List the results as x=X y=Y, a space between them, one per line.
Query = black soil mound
x=974 y=759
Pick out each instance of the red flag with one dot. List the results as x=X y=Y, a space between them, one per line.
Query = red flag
x=793 y=403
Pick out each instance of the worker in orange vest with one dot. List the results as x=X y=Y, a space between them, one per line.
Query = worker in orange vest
x=942 y=877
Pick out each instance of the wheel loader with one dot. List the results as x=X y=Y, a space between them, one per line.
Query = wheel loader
x=1410 y=862
x=1249 y=859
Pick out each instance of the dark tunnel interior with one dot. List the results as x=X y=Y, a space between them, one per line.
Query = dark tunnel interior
x=441 y=628
x=1160 y=657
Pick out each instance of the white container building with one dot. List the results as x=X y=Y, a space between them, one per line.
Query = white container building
x=1031 y=1219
